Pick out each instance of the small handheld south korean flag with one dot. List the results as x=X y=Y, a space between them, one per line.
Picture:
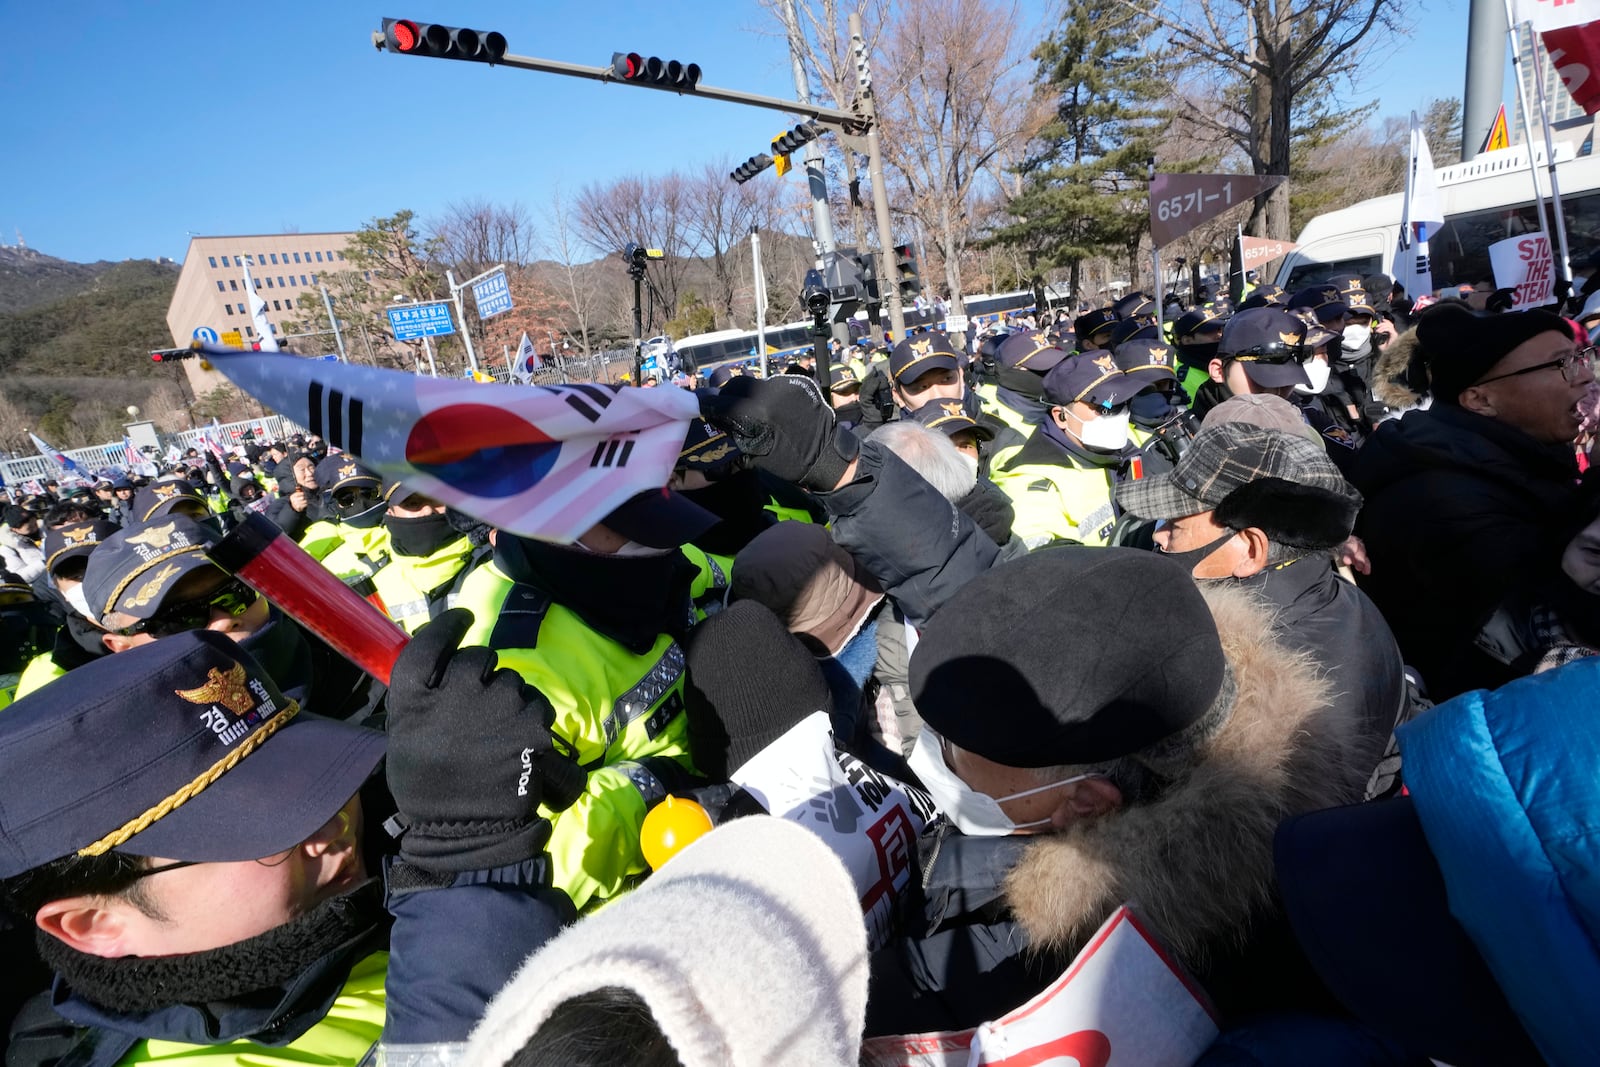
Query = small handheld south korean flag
x=528 y=359
x=541 y=461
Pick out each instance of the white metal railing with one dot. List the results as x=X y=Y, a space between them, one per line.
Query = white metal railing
x=103 y=457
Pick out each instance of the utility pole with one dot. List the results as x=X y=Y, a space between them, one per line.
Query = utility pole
x=461 y=316
x=333 y=321
x=888 y=272
x=760 y=294
x=822 y=218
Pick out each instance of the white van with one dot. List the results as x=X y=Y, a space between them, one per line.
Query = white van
x=1485 y=200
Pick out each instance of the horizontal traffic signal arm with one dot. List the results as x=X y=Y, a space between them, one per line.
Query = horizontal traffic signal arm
x=833 y=117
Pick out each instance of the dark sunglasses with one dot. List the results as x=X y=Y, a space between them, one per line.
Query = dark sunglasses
x=233 y=597
x=1275 y=354
x=349 y=498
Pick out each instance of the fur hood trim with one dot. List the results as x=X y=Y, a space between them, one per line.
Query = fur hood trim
x=1197 y=861
x=1389 y=378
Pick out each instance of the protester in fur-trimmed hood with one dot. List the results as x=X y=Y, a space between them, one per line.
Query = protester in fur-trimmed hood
x=1100 y=730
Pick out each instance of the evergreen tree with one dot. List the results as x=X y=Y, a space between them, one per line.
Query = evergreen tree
x=1084 y=187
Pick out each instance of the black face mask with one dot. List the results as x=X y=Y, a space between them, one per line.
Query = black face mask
x=420 y=536
x=1198 y=356
x=1150 y=409
x=1192 y=558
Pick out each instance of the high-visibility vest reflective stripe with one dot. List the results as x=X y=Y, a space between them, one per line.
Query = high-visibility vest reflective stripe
x=612 y=707
x=342 y=1037
x=1055 y=501
x=414 y=589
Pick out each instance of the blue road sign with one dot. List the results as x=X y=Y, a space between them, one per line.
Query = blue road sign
x=411 y=321
x=493 y=295
x=206 y=334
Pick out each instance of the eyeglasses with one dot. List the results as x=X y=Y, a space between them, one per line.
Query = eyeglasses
x=148 y=871
x=233 y=598
x=1576 y=368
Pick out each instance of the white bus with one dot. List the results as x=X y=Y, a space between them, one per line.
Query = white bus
x=1484 y=200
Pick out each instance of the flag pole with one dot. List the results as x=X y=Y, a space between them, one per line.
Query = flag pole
x=1563 y=267
x=1527 y=121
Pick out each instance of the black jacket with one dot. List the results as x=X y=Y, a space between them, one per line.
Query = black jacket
x=1465 y=520
x=1319 y=613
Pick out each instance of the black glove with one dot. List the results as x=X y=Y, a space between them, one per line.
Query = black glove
x=464 y=745
x=785 y=427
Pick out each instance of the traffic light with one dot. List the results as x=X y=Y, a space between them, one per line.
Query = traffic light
x=750 y=168
x=799 y=137
x=412 y=38
x=168 y=355
x=905 y=261
x=643 y=70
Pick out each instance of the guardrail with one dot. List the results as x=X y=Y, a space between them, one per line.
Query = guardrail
x=101 y=457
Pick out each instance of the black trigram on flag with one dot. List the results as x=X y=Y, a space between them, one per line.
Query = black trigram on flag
x=334 y=417
x=613 y=452
x=588 y=400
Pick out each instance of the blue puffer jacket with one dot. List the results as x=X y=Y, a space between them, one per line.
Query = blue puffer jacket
x=1507 y=785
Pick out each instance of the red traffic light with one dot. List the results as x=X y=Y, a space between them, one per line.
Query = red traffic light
x=412 y=38
x=667 y=73
x=167 y=355
x=404 y=35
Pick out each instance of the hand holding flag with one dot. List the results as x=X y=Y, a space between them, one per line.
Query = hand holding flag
x=546 y=461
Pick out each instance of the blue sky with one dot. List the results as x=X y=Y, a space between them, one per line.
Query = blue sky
x=128 y=124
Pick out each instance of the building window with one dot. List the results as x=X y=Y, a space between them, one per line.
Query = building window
x=224 y=261
x=220 y=289
x=233 y=286
x=297 y=257
x=274 y=259
x=314 y=280
x=277 y=305
x=228 y=308
x=302 y=279
x=319 y=257
x=280 y=282
x=213 y=261
x=273 y=327
x=249 y=332
x=341 y=257
x=258 y=283
x=269 y=281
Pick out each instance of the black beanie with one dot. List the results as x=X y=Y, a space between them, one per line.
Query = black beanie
x=1459 y=346
x=1069 y=655
x=749 y=682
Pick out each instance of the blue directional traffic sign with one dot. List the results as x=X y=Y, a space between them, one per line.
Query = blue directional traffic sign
x=411 y=321
x=206 y=334
x=493 y=295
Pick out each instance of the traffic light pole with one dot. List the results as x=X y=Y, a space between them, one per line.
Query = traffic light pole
x=831 y=116
x=461 y=316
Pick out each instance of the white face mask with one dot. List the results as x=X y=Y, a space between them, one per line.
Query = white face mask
x=975 y=814
x=1108 y=433
x=1318 y=371
x=79 y=602
x=1356 y=336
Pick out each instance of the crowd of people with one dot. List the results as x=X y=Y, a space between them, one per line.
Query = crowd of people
x=1276 y=623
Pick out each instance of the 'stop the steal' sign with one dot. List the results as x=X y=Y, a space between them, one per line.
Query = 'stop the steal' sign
x=1180 y=202
x=1526 y=265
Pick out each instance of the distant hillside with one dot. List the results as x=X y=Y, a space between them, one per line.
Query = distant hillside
x=29 y=278
x=98 y=319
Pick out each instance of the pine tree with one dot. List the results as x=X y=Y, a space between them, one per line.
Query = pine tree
x=1084 y=188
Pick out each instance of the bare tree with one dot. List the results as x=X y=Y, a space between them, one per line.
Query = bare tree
x=576 y=282
x=650 y=211
x=473 y=235
x=1263 y=61
x=957 y=107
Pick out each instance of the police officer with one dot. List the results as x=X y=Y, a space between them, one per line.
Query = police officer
x=353 y=503
x=1195 y=337
x=1017 y=395
x=596 y=628
x=1093 y=329
x=1063 y=479
x=1159 y=421
x=1263 y=350
x=429 y=554
x=66 y=552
